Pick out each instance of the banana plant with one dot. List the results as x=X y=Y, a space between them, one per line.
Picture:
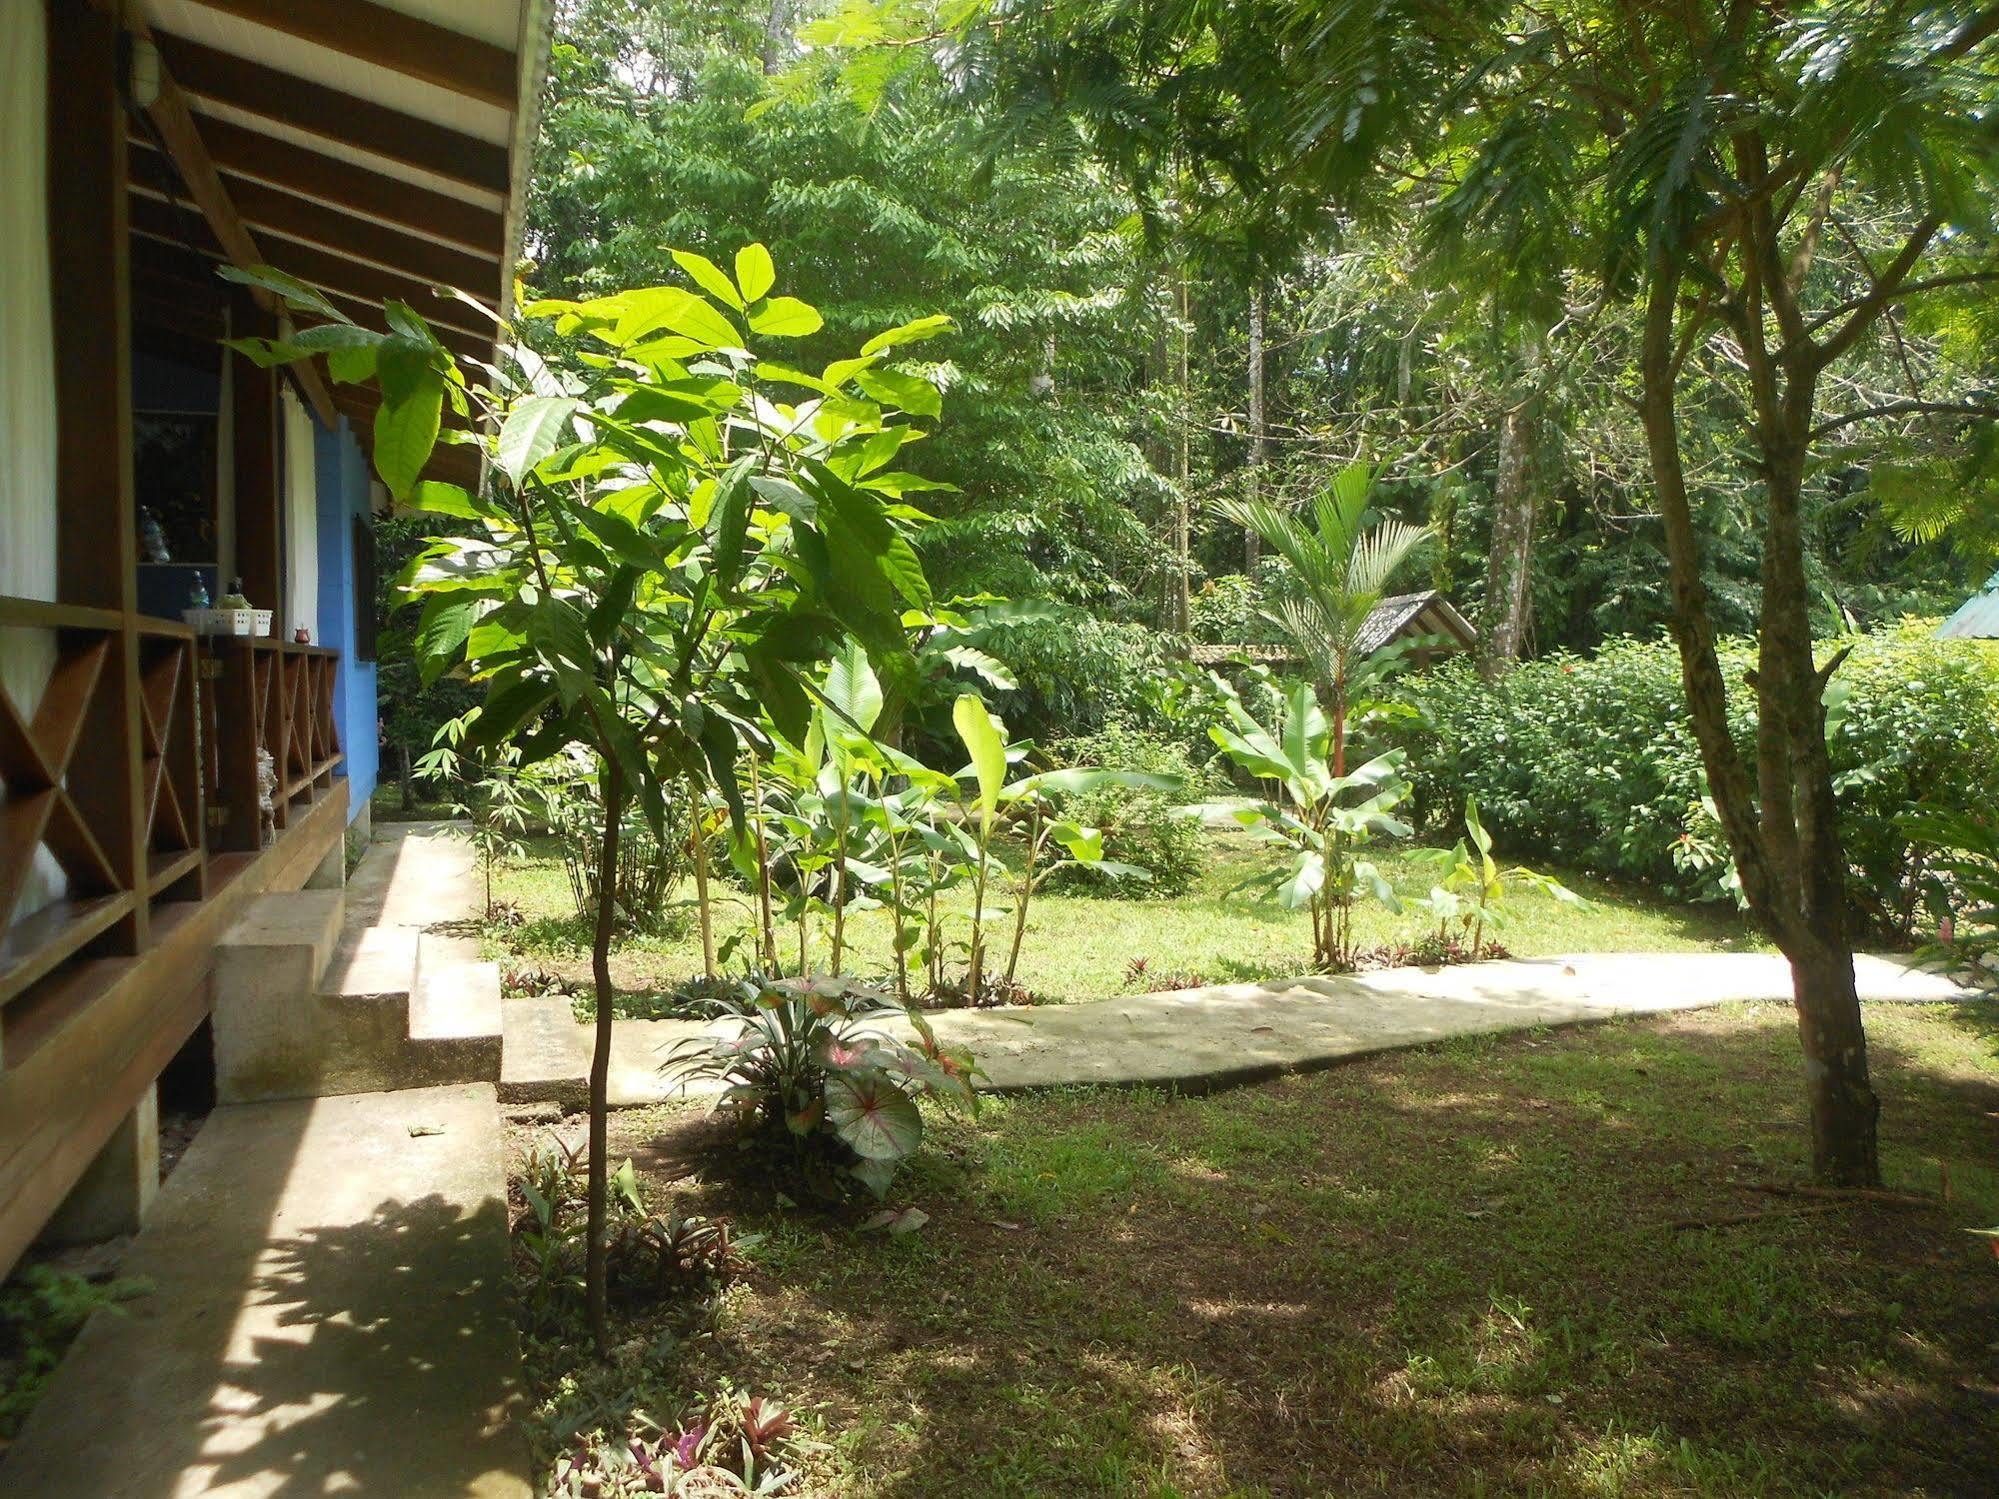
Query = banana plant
x=1472 y=889
x=1032 y=805
x=1323 y=817
x=984 y=738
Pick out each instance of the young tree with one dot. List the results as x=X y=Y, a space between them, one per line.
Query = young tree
x=1336 y=570
x=674 y=527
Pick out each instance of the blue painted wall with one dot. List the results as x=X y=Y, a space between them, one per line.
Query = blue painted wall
x=343 y=494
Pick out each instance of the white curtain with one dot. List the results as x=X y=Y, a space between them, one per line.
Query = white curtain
x=301 y=522
x=27 y=376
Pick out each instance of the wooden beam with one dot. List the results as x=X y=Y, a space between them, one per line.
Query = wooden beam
x=96 y=529
x=389 y=39
x=318 y=110
x=194 y=267
x=243 y=153
x=171 y=117
x=155 y=217
x=254 y=414
x=292 y=217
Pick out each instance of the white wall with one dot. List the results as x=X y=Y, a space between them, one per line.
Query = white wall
x=27 y=374
x=301 y=522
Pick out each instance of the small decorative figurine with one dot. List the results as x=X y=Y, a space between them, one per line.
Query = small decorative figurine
x=301 y=636
x=234 y=599
x=152 y=538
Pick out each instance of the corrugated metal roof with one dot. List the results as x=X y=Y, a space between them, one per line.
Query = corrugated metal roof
x=1977 y=618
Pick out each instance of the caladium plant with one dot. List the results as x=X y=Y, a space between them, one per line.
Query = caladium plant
x=828 y=1067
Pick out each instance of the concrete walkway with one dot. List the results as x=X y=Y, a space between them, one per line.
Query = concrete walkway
x=1195 y=1039
x=330 y=1315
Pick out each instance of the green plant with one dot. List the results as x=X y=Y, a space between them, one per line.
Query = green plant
x=648 y=1255
x=676 y=526
x=1590 y=762
x=1149 y=827
x=1335 y=571
x=1472 y=889
x=42 y=1309
x=1961 y=888
x=1324 y=819
x=813 y=1075
x=495 y=815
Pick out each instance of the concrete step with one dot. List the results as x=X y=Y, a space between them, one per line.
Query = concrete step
x=329 y=1315
x=278 y=952
x=455 y=1024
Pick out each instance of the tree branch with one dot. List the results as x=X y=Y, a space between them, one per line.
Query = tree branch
x=1887 y=286
x=1905 y=408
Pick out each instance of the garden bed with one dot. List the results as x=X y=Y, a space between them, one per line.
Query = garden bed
x=1083 y=947
x=1534 y=1264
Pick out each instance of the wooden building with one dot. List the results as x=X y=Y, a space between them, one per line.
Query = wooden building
x=375 y=148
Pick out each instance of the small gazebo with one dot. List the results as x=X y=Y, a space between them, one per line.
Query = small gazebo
x=1426 y=617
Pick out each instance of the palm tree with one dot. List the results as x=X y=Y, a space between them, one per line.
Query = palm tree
x=1337 y=572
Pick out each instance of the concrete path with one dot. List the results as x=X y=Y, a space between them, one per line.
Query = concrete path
x=329 y=1316
x=1195 y=1039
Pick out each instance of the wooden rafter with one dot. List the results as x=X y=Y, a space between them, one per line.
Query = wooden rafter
x=175 y=123
x=245 y=154
x=389 y=39
x=292 y=217
x=155 y=218
x=318 y=110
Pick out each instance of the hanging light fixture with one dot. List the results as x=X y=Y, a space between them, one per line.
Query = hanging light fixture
x=143 y=77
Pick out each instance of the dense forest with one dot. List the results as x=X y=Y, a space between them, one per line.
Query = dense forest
x=1132 y=348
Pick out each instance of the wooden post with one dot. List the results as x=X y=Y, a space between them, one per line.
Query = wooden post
x=259 y=544
x=96 y=542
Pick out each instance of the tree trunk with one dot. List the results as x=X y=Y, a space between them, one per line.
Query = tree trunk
x=1183 y=464
x=1509 y=567
x=777 y=35
x=701 y=898
x=595 y=1264
x=1783 y=832
x=1252 y=544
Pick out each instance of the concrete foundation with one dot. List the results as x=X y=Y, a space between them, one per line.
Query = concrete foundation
x=271 y=1039
x=117 y=1191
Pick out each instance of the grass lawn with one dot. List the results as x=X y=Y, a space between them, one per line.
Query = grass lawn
x=1458 y=1271
x=1081 y=946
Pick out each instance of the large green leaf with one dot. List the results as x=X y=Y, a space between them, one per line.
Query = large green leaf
x=853 y=691
x=908 y=333
x=985 y=742
x=532 y=431
x=412 y=408
x=786 y=317
x=912 y=393
x=875 y=1117
x=755 y=275
x=710 y=277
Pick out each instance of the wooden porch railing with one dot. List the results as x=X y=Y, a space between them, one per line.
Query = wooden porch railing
x=205 y=707
x=63 y=796
x=278 y=697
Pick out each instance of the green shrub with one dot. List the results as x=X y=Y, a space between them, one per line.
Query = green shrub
x=1076 y=674
x=1591 y=761
x=1141 y=826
